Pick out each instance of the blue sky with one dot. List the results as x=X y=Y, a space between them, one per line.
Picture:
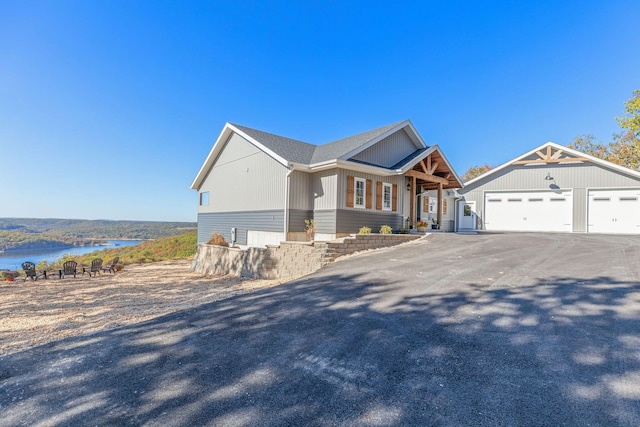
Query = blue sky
x=109 y=108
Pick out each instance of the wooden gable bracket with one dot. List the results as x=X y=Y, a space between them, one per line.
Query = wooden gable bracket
x=550 y=157
x=427 y=173
x=426 y=177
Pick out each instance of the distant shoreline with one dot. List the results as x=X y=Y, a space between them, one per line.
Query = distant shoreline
x=57 y=247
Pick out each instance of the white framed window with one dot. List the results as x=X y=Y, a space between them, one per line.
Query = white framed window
x=204 y=198
x=359 y=193
x=386 y=196
x=433 y=204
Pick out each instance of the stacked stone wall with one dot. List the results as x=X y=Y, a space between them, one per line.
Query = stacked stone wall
x=289 y=259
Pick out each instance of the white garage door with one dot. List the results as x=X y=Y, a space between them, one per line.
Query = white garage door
x=614 y=211
x=529 y=211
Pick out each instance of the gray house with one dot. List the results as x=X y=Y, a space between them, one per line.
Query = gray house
x=256 y=188
x=553 y=188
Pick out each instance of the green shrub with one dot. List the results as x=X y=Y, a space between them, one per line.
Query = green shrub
x=364 y=230
x=386 y=229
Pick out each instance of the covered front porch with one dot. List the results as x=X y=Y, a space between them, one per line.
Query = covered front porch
x=429 y=171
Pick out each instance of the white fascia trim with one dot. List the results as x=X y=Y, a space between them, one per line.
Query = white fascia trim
x=224 y=136
x=576 y=153
x=213 y=154
x=415 y=138
x=345 y=164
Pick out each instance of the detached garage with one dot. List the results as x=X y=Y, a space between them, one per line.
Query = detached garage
x=556 y=189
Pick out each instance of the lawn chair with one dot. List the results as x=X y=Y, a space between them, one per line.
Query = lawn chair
x=69 y=268
x=96 y=267
x=30 y=271
x=112 y=266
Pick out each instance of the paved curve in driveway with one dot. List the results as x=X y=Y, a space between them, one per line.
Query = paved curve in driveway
x=492 y=329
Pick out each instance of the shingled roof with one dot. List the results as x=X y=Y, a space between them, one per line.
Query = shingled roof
x=299 y=154
x=287 y=148
x=302 y=152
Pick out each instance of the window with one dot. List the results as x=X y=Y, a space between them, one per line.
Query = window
x=433 y=204
x=386 y=196
x=359 y=194
x=204 y=198
x=444 y=206
x=467 y=210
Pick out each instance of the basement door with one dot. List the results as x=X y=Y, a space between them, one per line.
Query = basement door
x=529 y=211
x=613 y=211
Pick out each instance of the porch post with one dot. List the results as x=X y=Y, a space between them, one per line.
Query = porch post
x=440 y=205
x=412 y=201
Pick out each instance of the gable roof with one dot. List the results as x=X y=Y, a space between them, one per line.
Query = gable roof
x=573 y=156
x=289 y=149
x=302 y=155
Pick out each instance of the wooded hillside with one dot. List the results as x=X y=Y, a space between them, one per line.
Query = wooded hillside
x=41 y=233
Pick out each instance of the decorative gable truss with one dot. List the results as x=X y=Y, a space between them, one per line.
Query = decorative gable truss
x=550 y=155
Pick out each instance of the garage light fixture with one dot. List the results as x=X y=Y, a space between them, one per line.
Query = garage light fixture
x=548 y=177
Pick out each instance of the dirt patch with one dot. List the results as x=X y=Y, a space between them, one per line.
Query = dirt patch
x=35 y=313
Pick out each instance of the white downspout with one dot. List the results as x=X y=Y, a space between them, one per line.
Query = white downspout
x=286 y=202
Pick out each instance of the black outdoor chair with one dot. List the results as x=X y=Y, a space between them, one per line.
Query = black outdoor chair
x=69 y=268
x=96 y=267
x=111 y=267
x=30 y=272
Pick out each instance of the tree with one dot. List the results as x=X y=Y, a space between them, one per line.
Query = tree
x=631 y=121
x=624 y=150
x=475 y=171
x=586 y=144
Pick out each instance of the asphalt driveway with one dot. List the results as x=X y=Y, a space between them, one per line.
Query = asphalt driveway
x=490 y=329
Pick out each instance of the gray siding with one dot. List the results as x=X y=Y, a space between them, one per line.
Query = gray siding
x=324 y=186
x=388 y=151
x=300 y=191
x=244 y=178
x=222 y=222
x=350 y=221
x=580 y=210
x=325 y=221
x=567 y=176
x=577 y=177
x=296 y=219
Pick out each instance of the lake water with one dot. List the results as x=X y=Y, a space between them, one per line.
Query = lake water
x=13 y=260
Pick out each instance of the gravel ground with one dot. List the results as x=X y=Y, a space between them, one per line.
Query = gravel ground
x=35 y=313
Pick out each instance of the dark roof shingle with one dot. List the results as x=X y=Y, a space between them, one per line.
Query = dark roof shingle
x=302 y=152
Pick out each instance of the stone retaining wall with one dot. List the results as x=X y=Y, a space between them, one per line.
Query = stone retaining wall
x=289 y=259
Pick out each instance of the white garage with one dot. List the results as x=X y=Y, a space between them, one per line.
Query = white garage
x=529 y=211
x=553 y=188
x=614 y=211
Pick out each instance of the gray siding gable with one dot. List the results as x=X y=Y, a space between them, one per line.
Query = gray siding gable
x=389 y=150
x=341 y=147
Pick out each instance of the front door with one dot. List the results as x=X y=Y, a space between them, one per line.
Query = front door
x=467 y=218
